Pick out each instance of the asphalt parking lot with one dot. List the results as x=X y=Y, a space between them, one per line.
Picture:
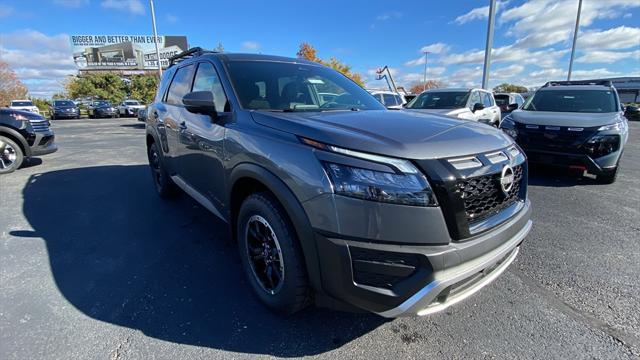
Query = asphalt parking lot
x=94 y=265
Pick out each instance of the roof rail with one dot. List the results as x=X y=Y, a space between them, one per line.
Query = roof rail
x=193 y=52
x=579 y=82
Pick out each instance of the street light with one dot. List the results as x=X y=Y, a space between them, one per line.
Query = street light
x=155 y=37
x=487 y=50
x=424 y=84
x=575 y=39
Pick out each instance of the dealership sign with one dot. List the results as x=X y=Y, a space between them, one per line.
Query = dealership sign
x=124 y=52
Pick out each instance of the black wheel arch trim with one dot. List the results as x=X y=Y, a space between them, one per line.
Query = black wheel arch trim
x=15 y=135
x=294 y=210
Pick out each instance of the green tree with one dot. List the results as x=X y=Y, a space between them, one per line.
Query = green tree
x=506 y=87
x=144 y=87
x=107 y=86
x=41 y=104
x=308 y=52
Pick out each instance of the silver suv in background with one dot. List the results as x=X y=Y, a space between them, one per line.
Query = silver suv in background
x=470 y=104
x=573 y=124
x=389 y=99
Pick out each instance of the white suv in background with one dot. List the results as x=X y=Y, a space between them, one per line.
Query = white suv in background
x=389 y=99
x=470 y=104
x=26 y=105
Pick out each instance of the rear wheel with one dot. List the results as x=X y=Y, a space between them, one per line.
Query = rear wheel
x=163 y=183
x=271 y=255
x=11 y=155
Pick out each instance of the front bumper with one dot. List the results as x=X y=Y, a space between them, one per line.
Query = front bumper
x=395 y=280
x=106 y=113
x=66 y=114
x=44 y=144
x=573 y=160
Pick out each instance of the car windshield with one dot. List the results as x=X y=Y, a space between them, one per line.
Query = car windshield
x=502 y=100
x=440 y=100
x=132 y=102
x=21 y=103
x=581 y=101
x=101 y=103
x=280 y=86
x=63 y=103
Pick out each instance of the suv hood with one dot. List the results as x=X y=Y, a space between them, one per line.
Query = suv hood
x=448 y=112
x=402 y=134
x=564 y=118
x=135 y=106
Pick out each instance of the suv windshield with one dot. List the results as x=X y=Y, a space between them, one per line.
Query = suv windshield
x=280 y=86
x=131 y=102
x=63 y=103
x=440 y=100
x=583 y=101
x=21 y=103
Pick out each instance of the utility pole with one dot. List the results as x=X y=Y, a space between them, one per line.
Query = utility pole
x=487 y=50
x=575 y=40
x=424 y=86
x=155 y=37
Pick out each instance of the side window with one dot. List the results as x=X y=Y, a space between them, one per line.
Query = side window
x=486 y=99
x=180 y=85
x=389 y=100
x=519 y=100
x=474 y=99
x=207 y=80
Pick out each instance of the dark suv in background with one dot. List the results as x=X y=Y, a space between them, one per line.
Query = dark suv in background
x=23 y=134
x=337 y=201
x=64 y=109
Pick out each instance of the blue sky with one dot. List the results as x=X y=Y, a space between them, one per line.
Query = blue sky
x=532 y=38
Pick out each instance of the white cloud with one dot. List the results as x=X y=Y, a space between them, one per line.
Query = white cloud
x=619 y=38
x=478 y=13
x=509 y=53
x=607 y=57
x=134 y=7
x=251 y=45
x=171 y=18
x=40 y=61
x=5 y=11
x=436 y=48
x=389 y=16
x=71 y=3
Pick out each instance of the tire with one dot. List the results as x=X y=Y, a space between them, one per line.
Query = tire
x=608 y=177
x=53 y=117
x=288 y=289
x=165 y=187
x=11 y=155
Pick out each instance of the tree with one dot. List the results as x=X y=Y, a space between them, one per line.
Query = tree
x=41 y=104
x=143 y=87
x=506 y=87
x=107 y=86
x=11 y=88
x=419 y=87
x=308 y=52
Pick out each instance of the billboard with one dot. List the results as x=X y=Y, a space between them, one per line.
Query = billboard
x=124 y=52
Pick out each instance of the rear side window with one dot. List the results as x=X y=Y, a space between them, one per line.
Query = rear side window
x=207 y=80
x=164 y=84
x=181 y=85
x=487 y=101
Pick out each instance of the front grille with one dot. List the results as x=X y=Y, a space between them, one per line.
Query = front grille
x=40 y=125
x=553 y=138
x=383 y=269
x=483 y=196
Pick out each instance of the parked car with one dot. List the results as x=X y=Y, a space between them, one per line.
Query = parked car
x=23 y=134
x=632 y=112
x=102 y=109
x=573 y=124
x=130 y=108
x=508 y=102
x=142 y=115
x=340 y=202
x=470 y=104
x=64 y=109
x=26 y=105
x=389 y=99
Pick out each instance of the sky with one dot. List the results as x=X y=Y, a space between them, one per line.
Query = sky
x=532 y=41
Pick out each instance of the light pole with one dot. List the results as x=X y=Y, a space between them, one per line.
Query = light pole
x=155 y=37
x=424 y=83
x=575 y=39
x=487 y=50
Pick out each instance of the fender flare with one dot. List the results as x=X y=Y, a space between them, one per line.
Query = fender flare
x=294 y=210
x=14 y=134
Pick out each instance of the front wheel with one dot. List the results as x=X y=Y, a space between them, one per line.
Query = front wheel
x=11 y=155
x=608 y=177
x=271 y=256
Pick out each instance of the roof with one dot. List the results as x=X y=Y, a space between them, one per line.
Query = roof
x=574 y=87
x=199 y=52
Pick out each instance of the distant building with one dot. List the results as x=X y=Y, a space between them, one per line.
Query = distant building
x=628 y=88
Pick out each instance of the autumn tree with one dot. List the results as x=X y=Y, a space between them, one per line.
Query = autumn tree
x=11 y=88
x=308 y=52
x=508 y=88
x=419 y=87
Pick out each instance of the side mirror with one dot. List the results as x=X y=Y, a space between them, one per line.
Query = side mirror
x=200 y=102
x=477 y=106
x=512 y=107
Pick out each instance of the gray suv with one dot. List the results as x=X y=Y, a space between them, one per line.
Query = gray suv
x=337 y=202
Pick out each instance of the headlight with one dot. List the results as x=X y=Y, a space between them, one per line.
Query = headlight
x=509 y=126
x=19 y=117
x=406 y=185
x=617 y=126
x=601 y=145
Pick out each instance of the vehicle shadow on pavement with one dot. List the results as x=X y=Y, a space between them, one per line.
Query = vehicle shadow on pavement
x=121 y=255
x=139 y=125
x=540 y=175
